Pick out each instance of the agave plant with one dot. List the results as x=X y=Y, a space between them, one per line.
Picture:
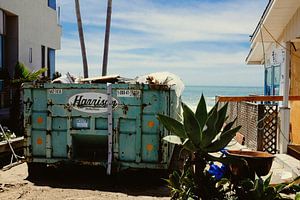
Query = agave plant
x=202 y=133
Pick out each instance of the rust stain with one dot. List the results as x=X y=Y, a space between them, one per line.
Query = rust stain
x=149 y=147
x=125 y=109
x=151 y=124
x=39 y=120
x=39 y=141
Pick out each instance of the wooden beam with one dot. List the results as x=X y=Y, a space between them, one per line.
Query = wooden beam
x=16 y=143
x=254 y=98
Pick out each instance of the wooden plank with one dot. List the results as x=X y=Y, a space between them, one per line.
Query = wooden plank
x=294 y=150
x=16 y=143
x=254 y=98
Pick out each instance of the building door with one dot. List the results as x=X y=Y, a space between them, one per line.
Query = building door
x=272 y=80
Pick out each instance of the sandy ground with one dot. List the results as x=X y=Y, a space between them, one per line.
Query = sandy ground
x=80 y=183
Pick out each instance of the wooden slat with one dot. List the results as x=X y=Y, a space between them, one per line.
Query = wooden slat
x=294 y=150
x=254 y=98
x=16 y=143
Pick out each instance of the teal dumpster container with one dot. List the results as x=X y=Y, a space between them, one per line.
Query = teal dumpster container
x=112 y=125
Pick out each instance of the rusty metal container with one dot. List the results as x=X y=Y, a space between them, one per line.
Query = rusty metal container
x=112 y=125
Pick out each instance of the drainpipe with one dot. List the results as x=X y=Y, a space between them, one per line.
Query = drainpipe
x=284 y=109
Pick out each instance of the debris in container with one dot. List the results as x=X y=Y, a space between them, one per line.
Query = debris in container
x=102 y=79
x=67 y=78
x=163 y=78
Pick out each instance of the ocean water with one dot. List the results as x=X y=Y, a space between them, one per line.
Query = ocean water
x=191 y=94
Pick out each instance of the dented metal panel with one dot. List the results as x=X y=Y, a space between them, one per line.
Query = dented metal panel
x=69 y=122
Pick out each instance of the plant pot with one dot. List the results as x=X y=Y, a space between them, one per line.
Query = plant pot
x=258 y=162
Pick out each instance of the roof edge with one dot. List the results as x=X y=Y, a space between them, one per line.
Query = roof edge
x=262 y=19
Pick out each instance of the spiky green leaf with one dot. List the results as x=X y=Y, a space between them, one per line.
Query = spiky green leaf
x=267 y=181
x=172 y=125
x=174 y=139
x=34 y=75
x=228 y=126
x=191 y=126
x=221 y=117
x=188 y=145
x=223 y=140
x=201 y=112
x=258 y=188
x=21 y=71
x=213 y=108
x=210 y=132
x=174 y=180
x=297 y=197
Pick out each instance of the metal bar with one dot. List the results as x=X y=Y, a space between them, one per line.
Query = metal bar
x=110 y=128
x=69 y=137
x=49 y=131
x=27 y=121
x=138 y=136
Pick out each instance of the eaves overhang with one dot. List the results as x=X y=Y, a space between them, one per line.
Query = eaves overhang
x=270 y=28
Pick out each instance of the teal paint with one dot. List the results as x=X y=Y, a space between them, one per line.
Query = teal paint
x=63 y=116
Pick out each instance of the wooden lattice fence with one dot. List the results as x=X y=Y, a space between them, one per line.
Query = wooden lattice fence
x=259 y=124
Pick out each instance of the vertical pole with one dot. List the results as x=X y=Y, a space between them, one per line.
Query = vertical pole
x=260 y=127
x=81 y=37
x=106 y=40
x=110 y=128
x=284 y=130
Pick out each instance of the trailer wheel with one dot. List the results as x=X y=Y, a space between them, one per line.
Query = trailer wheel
x=35 y=170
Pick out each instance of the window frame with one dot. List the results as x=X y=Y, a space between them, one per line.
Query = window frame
x=52 y=4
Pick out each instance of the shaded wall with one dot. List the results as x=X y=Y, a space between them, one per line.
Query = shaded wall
x=295 y=91
x=11 y=44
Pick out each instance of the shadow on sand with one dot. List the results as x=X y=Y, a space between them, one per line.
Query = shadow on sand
x=135 y=183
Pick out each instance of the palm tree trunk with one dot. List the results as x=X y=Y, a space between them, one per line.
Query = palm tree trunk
x=81 y=37
x=106 y=42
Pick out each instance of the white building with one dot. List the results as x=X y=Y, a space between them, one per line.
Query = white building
x=29 y=33
x=276 y=45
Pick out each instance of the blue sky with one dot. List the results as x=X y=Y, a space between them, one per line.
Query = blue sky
x=205 y=42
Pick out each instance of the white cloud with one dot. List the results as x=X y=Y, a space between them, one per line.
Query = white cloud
x=159 y=29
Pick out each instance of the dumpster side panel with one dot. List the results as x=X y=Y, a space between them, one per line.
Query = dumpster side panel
x=59 y=144
x=151 y=140
x=60 y=126
x=38 y=142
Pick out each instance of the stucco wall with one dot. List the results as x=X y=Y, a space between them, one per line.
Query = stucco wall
x=292 y=30
x=37 y=26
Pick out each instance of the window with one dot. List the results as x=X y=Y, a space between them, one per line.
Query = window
x=30 y=55
x=272 y=80
x=52 y=4
x=51 y=62
x=43 y=58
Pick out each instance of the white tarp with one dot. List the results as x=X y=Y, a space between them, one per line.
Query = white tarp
x=165 y=78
